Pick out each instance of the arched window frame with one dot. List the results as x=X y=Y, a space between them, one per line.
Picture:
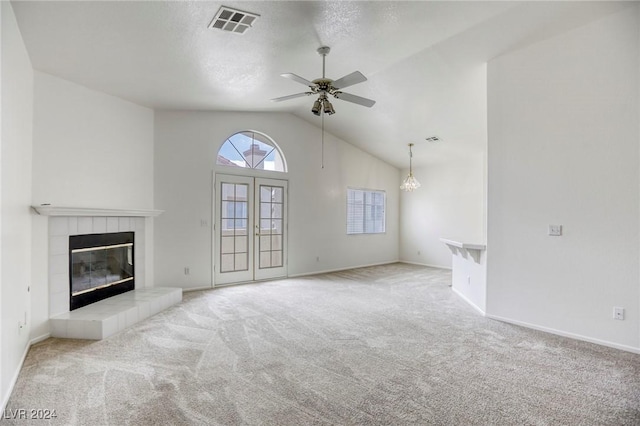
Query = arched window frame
x=263 y=139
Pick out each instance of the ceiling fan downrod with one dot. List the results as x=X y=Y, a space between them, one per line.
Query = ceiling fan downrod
x=323 y=51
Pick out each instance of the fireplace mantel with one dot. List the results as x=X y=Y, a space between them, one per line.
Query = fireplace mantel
x=49 y=210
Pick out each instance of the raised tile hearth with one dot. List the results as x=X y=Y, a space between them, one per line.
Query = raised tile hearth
x=101 y=319
x=107 y=317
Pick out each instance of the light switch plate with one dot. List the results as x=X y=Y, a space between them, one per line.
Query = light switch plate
x=555 y=230
x=618 y=313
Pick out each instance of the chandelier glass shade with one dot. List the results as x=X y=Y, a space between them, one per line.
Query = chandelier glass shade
x=410 y=183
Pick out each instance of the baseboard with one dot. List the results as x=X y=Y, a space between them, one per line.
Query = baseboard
x=323 y=271
x=466 y=299
x=426 y=264
x=566 y=334
x=39 y=339
x=185 y=290
x=328 y=271
x=14 y=379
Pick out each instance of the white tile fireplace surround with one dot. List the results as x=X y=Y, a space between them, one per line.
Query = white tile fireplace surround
x=62 y=227
x=65 y=222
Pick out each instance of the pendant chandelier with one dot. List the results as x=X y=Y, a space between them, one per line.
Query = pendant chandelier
x=410 y=183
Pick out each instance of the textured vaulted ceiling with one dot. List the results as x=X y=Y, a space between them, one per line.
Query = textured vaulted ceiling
x=425 y=60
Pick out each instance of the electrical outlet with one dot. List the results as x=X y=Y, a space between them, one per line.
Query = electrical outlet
x=186 y=270
x=468 y=279
x=555 y=230
x=418 y=252
x=618 y=313
x=204 y=222
x=317 y=258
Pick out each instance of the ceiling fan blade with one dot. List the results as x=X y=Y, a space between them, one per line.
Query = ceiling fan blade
x=297 y=95
x=297 y=78
x=355 y=99
x=349 y=80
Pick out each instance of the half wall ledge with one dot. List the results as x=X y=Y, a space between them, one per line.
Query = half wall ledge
x=458 y=247
x=49 y=210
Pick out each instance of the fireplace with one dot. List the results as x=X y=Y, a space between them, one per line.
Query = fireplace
x=100 y=266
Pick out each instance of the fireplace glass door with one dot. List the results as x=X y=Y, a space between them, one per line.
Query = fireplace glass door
x=99 y=267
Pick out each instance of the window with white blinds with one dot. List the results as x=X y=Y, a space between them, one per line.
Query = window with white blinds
x=365 y=211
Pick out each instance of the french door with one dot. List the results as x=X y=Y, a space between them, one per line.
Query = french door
x=250 y=229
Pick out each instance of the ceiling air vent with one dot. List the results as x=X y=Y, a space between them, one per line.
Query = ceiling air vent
x=232 y=20
x=432 y=139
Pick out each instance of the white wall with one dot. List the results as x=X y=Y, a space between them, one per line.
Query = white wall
x=186 y=148
x=15 y=157
x=89 y=150
x=563 y=149
x=469 y=277
x=449 y=204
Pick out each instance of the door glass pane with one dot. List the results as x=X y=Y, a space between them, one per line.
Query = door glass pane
x=227 y=245
x=265 y=242
x=241 y=209
x=228 y=191
x=241 y=192
x=265 y=259
x=234 y=220
x=276 y=226
x=277 y=194
x=227 y=209
x=265 y=193
x=226 y=262
x=241 y=262
x=276 y=242
x=271 y=222
x=276 y=211
x=276 y=259
x=265 y=210
x=241 y=244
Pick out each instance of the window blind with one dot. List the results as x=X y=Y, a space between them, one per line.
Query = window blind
x=365 y=211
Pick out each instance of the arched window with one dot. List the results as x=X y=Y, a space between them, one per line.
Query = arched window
x=251 y=150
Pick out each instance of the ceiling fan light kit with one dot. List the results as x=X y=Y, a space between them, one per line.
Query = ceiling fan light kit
x=328 y=108
x=323 y=87
x=316 y=107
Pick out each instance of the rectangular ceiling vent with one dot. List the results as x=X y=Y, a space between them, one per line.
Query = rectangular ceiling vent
x=232 y=20
x=432 y=139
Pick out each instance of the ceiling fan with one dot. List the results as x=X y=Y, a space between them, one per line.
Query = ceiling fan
x=325 y=86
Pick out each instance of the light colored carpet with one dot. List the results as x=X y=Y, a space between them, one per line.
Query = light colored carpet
x=387 y=345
